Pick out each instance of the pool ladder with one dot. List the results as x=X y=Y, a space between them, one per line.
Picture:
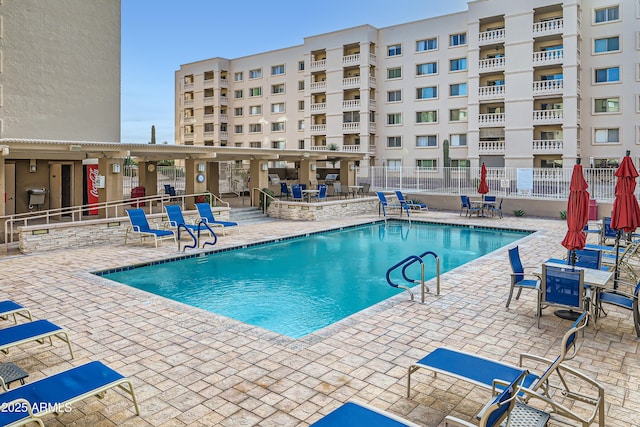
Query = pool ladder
x=196 y=239
x=409 y=261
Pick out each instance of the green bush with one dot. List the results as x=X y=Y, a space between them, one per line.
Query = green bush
x=270 y=193
x=519 y=212
x=563 y=214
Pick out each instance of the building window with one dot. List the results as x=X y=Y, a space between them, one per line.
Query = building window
x=458 y=139
x=255 y=127
x=394 y=164
x=277 y=70
x=606 y=105
x=277 y=127
x=255 y=144
x=458 y=39
x=427 y=44
x=430 y=164
x=237 y=77
x=277 y=108
x=606 y=136
x=394 y=119
x=464 y=163
x=208 y=75
x=604 y=75
x=458 y=115
x=607 y=14
x=237 y=94
x=237 y=129
x=394 y=50
x=426 y=141
x=255 y=110
x=300 y=124
x=300 y=105
x=209 y=127
x=426 y=116
x=608 y=44
x=394 y=142
x=427 y=92
x=300 y=84
x=255 y=74
x=237 y=112
x=426 y=69
x=279 y=88
x=255 y=91
x=394 y=73
x=300 y=65
x=394 y=96
x=351 y=117
x=458 y=89
x=301 y=144
x=458 y=64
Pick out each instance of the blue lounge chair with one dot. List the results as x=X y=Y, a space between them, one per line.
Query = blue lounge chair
x=296 y=193
x=206 y=215
x=482 y=371
x=384 y=203
x=38 y=330
x=410 y=204
x=31 y=402
x=518 y=276
x=465 y=205
x=174 y=212
x=140 y=226
x=607 y=231
x=284 y=190
x=322 y=193
x=11 y=308
x=562 y=287
x=627 y=300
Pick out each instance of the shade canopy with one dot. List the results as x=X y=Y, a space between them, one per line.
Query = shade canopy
x=577 y=211
x=626 y=212
x=483 y=188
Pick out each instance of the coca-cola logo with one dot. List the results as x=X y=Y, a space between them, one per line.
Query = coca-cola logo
x=93 y=177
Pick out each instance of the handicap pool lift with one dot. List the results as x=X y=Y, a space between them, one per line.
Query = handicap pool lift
x=408 y=262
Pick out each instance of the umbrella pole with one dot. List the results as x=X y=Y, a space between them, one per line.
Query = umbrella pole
x=574 y=258
x=616 y=274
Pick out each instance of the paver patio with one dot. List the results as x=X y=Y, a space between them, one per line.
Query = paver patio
x=194 y=368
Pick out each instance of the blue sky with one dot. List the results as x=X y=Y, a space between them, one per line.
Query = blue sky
x=160 y=35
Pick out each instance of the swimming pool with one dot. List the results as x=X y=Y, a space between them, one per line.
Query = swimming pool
x=299 y=285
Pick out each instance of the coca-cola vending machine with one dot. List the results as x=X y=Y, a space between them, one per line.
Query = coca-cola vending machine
x=92 y=187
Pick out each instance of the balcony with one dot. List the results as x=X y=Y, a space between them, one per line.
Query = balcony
x=224 y=135
x=318 y=148
x=187 y=136
x=188 y=86
x=209 y=100
x=547 y=28
x=318 y=129
x=224 y=118
x=548 y=57
x=351 y=59
x=208 y=134
x=491 y=92
x=209 y=83
x=491 y=147
x=188 y=120
x=351 y=105
x=491 y=37
x=351 y=82
x=548 y=87
x=491 y=64
x=224 y=100
x=320 y=107
x=318 y=86
x=491 y=119
x=223 y=82
x=188 y=102
x=353 y=127
x=541 y=117
x=547 y=146
x=208 y=117
x=372 y=105
x=372 y=81
x=373 y=59
x=318 y=65
x=351 y=148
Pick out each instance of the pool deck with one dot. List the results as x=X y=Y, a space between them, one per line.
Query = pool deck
x=194 y=368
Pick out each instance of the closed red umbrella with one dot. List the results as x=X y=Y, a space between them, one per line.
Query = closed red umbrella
x=577 y=212
x=483 y=188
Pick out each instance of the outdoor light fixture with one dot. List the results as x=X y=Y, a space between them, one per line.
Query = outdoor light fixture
x=352 y=167
x=201 y=167
x=75 y=147
x=313 y=166
x=115 y=168
x=32 y=165
x=5 y=150
x=264 y=167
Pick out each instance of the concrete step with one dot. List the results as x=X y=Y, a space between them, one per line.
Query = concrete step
x=250 y=215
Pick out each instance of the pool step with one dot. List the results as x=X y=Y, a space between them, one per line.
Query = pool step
x=250 y=215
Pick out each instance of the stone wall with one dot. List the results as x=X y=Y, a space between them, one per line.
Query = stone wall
x=322 y=210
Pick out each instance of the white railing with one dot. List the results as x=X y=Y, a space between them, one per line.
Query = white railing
x=351 y=104
x=318 y=86
x=491 y=147
x=189 y=120
x=318 y=107
x=318 y=129
x=188 y=86
x=548 y=57
x=224 y=100
x=351 y=127
x=351 y=82
x=547 y=116
x=488 y=92
x=351 y=59
x=224 y=117
x=493 y=36
x=223 y=82
x=491 y=64
x=553 y=26
x=318 y=147
x=372 y=105
x=372 y=81
x=373 y=60
x=318 y=65
x=492 y=119
x=351 y=148
x=549 y=146
x=548 y=87
x=224 y=134
x=188 y=102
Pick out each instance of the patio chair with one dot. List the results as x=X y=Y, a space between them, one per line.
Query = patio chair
x=490 y=201
x=484 y=372
x=338 y=191
x=518 y=276
x=496 y=210
x=296 y=193
x=12 y=308
x=607 y=231
x=284 y=190
x=384 y=203
x=140 y=226
x=54 y=393
x=322 y=193
x=465 y=204
x=409 y=203
x=623 y=299
x=562 y=287
x=365 y=189
x=37 y=330
x=206 y=215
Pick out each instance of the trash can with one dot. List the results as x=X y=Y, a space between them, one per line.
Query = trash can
x=137 y=193
x=36 y=196
x=593 y=209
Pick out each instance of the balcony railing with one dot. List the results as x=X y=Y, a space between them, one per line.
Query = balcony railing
x=548 y=57
x=188 y=86
x=318 y=129
x=351 y=127
x=187 y=136
x=547 y=146
x=372 y=59
x=493 y=36
x=548 y=87
x=372 y=105
x=547 y=116
x=318 y=86
x=554 y=26
x=224 y=117
x=491 y=64
x=188 y=102
x=351 y=104
x=319 y=107
x=489 y=92
x=223 y=82
x=351 y=59
x=351 y=82
x=318 y=147
x=351 y=148
x=208 y=134
x=224 y=134
x=318 y=65
x=491 y=147
x=189 y=120
x=492 y=119
x=224 y=100
x=372 y=81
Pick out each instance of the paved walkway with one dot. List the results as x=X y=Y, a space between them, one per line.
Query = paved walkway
x=193 y=368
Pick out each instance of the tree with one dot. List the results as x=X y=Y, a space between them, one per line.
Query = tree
x=153 y=134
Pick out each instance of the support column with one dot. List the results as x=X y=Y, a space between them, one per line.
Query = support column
x=259 y=174
x=112 y=183
x=195 y=180
x=3 y=189
x=347 y=173
x=148 y=177
x=213 y=178
x=307 y=175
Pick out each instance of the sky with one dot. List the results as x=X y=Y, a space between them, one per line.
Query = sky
x=160 y=35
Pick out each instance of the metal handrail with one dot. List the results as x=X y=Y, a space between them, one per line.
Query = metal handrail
x=405 y=264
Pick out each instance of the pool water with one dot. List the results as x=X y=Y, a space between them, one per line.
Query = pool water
x=297 y=286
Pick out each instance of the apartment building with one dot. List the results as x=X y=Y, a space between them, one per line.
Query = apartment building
x=532 y=83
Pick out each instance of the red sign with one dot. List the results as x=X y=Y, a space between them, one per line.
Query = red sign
x=92 y=188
